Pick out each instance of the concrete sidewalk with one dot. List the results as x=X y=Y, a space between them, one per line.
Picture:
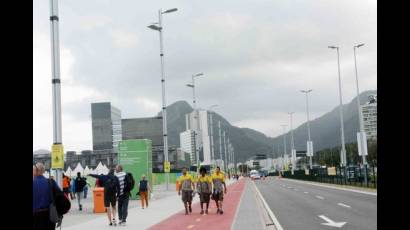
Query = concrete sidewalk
x=164 y=204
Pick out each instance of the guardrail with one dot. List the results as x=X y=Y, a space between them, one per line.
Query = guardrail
x=351 y=175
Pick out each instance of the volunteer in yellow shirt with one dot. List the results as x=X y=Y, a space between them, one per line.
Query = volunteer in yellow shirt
x=219 y=188
x=187 y=186
x=204 y=187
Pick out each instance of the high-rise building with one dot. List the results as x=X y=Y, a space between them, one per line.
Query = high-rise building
x=198 y=121
x=106 y=127
x=187 y=144
x=369 y=111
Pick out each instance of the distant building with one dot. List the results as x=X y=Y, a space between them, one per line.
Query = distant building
x=369 y=111
x=187 y=143
x=150 y=128
x=106 y=127
x=198 y=121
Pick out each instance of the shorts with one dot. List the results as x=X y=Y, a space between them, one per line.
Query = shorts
x=204 y=197
x=186 y=196
x=218 y=196
x=110 y=199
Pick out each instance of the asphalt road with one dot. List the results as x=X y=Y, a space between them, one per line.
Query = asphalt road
x=306 y=207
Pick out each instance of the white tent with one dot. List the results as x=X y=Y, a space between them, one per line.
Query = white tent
x=86 y=171
x=68 y=171
x=99 y=168
x=79 y=168
x=105 y=170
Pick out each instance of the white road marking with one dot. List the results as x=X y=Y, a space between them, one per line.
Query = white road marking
x=344 y=205
x=306 y=192
x=331 y=223
x=272 y=216
x=320 y=197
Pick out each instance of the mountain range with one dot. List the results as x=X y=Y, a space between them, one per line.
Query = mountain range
x=325 y=131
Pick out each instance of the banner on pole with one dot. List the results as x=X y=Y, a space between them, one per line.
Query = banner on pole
x=57 y=156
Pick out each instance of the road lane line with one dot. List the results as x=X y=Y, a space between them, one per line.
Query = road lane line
x=306 y=192
x=272 y=216
x=344 y=205
x=320 y=197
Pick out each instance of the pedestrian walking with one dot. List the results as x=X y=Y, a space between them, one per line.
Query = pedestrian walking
x=111 y=189
x=72 y=190
x=66 y=185
x=204 y=187
x=219 y=188
x=127 y=183
x=187 y=186
x=143 y=191
x=49 y=202
x=79 y=184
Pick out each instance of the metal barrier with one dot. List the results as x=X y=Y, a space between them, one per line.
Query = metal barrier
x=350 y=175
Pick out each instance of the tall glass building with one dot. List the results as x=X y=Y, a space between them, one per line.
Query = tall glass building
x=106 y=126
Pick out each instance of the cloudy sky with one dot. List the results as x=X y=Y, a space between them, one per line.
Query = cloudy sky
x=255 y=55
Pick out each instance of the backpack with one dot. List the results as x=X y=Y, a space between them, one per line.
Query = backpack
x=143 y=185
x=129 y=182
x=110 y=185
x=79 y=184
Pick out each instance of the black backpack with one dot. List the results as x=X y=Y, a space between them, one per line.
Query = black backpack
x=110 y=184
x=80 y=183
x=129 y=182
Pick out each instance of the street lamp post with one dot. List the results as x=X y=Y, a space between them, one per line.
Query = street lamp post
x=362 y=142
x=164 y=108
x=226 y=161
x=196 y=115
x=342 y=136
x=56 y=89
x=293 y=152
x=220 y=142
x=284 y=143
x=309 y=143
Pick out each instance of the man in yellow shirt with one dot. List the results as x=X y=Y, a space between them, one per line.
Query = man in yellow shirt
x=218 y=180
x=187 y=186
x=204 y=186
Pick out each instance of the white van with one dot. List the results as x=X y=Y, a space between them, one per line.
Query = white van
x=254 y=174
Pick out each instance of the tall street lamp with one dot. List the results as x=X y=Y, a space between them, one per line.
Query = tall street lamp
x=284 y=143
x=342 y=136
x=309 y=143
x=361 y=136
x=158 y=27
x=57 y=155
x=293 y=152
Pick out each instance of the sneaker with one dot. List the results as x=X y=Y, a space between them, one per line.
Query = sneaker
x=110 y=224
x=206 y=211
x=113 y=222
x=186 y=212
x=217 y=211
x=81 y=208
x=221 y=212
x=190 y=209
x=202 y=212
x=122 y=223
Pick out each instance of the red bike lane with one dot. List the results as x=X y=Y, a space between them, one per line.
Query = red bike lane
x=211 y=221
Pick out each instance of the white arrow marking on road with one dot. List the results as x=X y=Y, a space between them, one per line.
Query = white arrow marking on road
x=320 y=197
x=344 y=205
x=331 y=223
